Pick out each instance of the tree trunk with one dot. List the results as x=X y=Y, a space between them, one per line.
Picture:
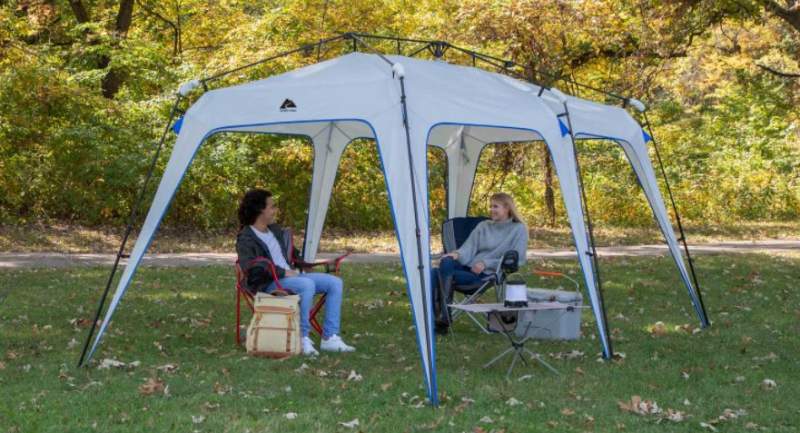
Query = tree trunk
x=549 y=197
x=114 y=78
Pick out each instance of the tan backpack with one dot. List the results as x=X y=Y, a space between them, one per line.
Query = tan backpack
x=274 y=331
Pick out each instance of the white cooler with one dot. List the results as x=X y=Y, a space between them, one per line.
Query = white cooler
x=552 y=324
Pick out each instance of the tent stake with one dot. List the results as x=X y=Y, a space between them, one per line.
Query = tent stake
x=131 y=220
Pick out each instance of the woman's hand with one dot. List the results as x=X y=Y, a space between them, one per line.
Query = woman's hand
x=478 y=267
x=453 y=255
x=290 y=273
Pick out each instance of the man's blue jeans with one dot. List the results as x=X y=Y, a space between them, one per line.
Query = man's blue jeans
x=308 y=285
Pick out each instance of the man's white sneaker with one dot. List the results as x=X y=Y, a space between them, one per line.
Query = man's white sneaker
x=334 y=343
x=308 y=347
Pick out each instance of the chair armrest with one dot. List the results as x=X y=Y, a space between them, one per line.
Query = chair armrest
x=331 y=266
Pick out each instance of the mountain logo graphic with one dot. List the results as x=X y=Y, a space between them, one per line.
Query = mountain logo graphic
x=288 y=105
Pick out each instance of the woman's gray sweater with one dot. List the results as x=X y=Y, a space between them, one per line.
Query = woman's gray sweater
x=490 y=240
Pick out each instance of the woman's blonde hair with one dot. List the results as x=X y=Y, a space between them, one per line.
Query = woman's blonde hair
x=507 y=201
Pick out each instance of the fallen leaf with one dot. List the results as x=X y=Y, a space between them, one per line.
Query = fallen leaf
x=478 y=429
x=110 y=363
x=659 y=329
x=708 y=426
x=525 y=377
x=198 y=419
x=355 y=377
x=290 y=415
x=729 y=414
x=567 y=411
x=486 y=420
x=221 y=389
x=167 y=368
x=513 y=402
x=151 y=386
x=768 y=384
x=675 y=415
x=385 y=386
x=639 y=406
x=350 y=424
x=2 y=365
x=72 y=343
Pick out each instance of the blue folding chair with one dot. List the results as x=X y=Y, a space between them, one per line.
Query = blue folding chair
x=455 y=232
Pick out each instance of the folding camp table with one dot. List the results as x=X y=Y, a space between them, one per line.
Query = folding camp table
x=517 y=348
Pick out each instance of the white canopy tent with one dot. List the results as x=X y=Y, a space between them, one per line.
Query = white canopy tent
x=406 y=104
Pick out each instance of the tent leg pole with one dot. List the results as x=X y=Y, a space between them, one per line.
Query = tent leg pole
x=434 y=398
x=420 y=267
x=131 y=220
x=590 y=229
x=702 y=308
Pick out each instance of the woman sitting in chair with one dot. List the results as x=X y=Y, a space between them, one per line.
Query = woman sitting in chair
x=480 y=255
x=259 y=237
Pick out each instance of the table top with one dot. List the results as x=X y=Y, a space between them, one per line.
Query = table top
x=499 y=308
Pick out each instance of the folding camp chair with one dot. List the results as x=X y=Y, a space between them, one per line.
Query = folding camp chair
x=331 y=266
x=455 y=232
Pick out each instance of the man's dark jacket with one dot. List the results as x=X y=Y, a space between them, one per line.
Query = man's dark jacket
x=250 y=247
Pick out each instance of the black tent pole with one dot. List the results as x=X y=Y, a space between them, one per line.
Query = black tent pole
x=420 y=267
x=131 y=221
x=704 y=319
x=590 y=228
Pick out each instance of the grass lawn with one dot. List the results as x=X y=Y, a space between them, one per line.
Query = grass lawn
x=714 y=380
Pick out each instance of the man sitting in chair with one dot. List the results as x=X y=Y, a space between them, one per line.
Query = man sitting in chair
x=260 y=237
x=480 y=255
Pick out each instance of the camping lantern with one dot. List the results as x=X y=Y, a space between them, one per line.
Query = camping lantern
x=516 y=292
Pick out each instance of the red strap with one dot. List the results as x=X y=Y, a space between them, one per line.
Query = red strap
x=271 y=268
x=548 y=273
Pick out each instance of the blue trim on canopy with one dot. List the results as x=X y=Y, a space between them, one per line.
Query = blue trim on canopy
x=176 y=127
x=563 y=127
x=646 y=136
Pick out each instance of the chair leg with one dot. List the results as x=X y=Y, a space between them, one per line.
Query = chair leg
x=312 y=315
x=238 y=316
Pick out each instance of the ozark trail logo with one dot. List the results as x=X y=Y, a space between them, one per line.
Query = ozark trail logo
x=288 y=105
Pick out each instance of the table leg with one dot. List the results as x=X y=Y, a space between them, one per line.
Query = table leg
x=537 y=357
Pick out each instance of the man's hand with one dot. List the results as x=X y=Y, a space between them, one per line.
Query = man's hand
x=478 y=267
x=290 y=273
x=453 y=255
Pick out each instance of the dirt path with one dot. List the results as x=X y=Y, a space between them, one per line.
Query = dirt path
x=53 y=260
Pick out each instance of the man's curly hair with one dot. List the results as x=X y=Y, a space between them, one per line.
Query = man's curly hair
x=251 y=206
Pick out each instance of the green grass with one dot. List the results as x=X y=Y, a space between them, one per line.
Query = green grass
x=184 y=317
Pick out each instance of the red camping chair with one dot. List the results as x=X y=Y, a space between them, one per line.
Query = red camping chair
x=331 y=266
